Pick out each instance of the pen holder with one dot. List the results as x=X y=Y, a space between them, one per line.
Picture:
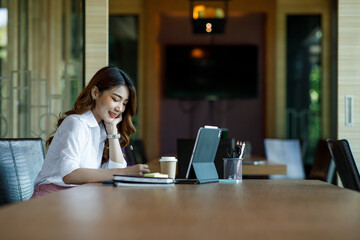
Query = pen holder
x=233 y=168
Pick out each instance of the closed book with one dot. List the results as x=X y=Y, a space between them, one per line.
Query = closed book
x=138 y=184
x=143 y=180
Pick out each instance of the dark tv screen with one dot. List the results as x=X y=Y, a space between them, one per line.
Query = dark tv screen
x=211 y=71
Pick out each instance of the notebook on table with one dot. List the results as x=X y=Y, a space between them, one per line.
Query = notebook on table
x=201 y=167
x=124 y=180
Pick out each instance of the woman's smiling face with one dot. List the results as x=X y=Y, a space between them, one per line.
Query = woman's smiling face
x=110 y=104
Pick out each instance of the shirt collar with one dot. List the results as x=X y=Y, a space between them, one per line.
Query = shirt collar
x=90 y=119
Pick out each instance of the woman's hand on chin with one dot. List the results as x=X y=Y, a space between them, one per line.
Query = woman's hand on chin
x=111 y=126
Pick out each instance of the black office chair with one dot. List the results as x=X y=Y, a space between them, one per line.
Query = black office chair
x=345 y=164
x=20 y=162
x=136 y=155
x=322 y=161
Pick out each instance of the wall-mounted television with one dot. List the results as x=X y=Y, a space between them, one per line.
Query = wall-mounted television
x=211 y=71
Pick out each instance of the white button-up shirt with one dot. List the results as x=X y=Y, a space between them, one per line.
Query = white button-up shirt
x=78 y=143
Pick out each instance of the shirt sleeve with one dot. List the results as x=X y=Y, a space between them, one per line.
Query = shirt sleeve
x=110 y=164
x=72 y=131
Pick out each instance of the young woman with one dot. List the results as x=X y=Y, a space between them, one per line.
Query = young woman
x=87 y=145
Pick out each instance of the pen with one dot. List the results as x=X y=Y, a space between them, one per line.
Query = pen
x=107 y=182
x=238 y=149
x=133 y=154
x=242 y=149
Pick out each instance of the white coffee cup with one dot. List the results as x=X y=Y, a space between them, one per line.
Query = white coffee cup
x=168 y=166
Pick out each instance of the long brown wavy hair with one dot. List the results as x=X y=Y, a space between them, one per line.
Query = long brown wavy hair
x=106 y=79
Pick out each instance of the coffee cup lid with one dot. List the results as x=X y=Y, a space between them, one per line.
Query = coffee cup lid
x=168 y=159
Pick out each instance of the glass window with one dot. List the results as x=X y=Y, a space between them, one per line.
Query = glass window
x=304 y=75
x=41 y=64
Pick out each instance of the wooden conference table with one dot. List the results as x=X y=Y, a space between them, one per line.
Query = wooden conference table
x=263 y=169
x=252 y=209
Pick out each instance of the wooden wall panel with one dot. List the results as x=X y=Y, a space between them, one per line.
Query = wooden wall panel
x=349 y=71
x=125 y=7
x=96 y=36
